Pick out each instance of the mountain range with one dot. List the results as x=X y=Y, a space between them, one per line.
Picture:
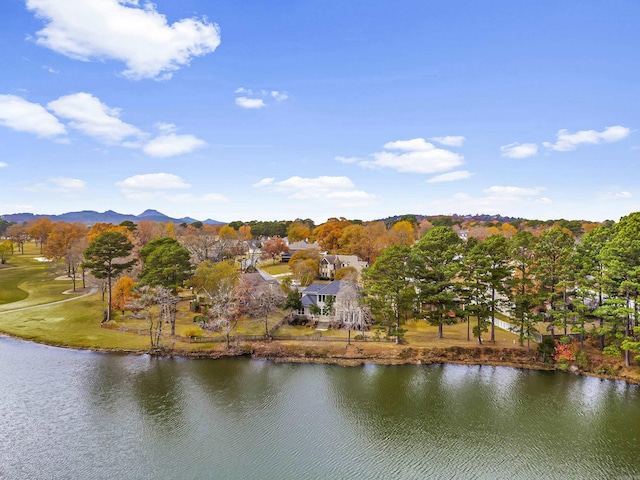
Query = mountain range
x=90 y=217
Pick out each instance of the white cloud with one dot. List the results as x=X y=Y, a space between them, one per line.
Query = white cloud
x=8 y=208
x=420 y=157
x=348 y=159
x=23 y=116
x=519 y=150
x=60 y=185
x=279 y=96
x=66 y=184
x=338 y=190
x=413 y=145
x=165 y=187
x=449 y=140
x=264 y=182
x=566 y=141
x=121 y=30
x=214 y=197
x=616 y=195
x=171 y=144
x=495 y=200
x=187 y=198
x=153 y=181
x=94 y=118
x=513 y=192
x=166 y=127
x=451 y=176
x=259 y=99
x=3 y=164
x=246 y=102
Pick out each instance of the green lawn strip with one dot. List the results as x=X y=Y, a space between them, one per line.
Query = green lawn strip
x=73 y=324
x=277 y=269
x=30 y=283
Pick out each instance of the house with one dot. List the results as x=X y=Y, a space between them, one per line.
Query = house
x=329 y=264
x=336 y=303
x=319 y=297
x=257 y=285
x=296 y=247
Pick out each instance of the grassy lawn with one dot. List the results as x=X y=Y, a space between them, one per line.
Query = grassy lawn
x=29 y=282
x=275 y=269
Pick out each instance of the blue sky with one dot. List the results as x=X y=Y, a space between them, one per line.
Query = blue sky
x=278 y=110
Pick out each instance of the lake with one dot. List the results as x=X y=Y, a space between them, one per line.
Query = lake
x=68 y=414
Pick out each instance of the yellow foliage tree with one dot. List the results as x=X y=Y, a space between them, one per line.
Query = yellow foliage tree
x=298 y=231
x=122 y=293
x=403 y=233
x=100 y=228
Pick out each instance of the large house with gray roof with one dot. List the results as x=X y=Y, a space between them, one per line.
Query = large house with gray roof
x=329 y=264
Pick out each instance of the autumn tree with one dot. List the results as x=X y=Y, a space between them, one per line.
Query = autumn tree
x=18 y=233
x=122 y=293
x=298 y=231
x=100 y=228
x=147 y=230
x=217 y=283
x=366 y=241
x=227 y=238
x=202 y=243
x=6 y=249
x=273 y=248
x=105 y=258
x=40 y=230
x=403 y=233
x=305 y=265
x=346 y=273
x=328 y=234
x=64 y=243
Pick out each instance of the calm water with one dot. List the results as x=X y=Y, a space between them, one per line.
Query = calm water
x=80 y=415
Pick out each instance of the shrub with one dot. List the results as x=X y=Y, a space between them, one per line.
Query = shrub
x=192 y=332
x=563 y=364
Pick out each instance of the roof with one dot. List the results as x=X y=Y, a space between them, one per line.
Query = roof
x=303 y=245
x=323 y=288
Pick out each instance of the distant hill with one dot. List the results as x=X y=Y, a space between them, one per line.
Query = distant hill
x=90 y=217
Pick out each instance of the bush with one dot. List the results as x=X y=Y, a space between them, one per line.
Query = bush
x=406 y=353
x=563 y=364
x=192 y=332
x=582 y=361
x=547 y=348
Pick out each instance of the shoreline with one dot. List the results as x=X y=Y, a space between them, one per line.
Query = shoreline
x=353 y=356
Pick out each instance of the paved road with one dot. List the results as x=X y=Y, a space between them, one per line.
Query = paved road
x=93 y=290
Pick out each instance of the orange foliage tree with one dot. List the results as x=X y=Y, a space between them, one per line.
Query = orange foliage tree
x=122 y=293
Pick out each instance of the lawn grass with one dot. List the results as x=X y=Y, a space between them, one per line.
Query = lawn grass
x=29 y=282
x=275 y=269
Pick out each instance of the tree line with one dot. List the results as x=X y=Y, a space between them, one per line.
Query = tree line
x=589 y=285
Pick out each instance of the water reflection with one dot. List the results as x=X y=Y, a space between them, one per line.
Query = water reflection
x=67 y=414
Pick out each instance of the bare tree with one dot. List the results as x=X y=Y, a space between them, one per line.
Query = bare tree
x=349 y=310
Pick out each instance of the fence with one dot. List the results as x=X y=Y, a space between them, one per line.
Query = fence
x=536 y=337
